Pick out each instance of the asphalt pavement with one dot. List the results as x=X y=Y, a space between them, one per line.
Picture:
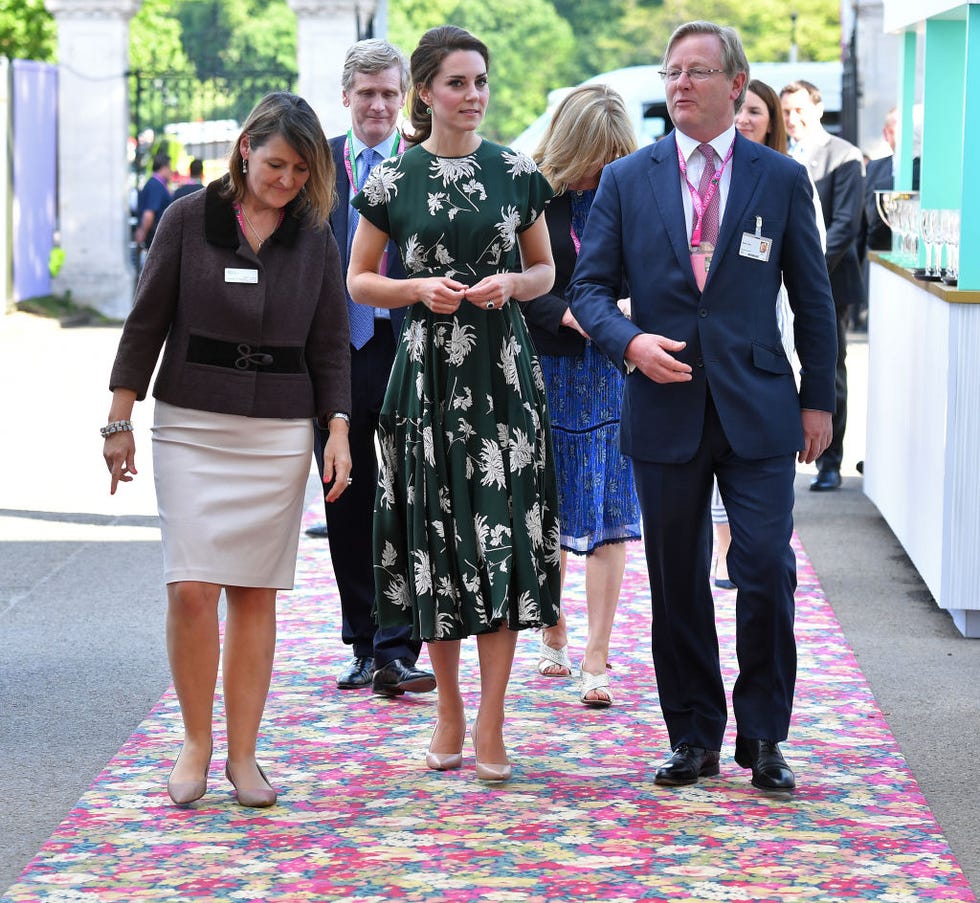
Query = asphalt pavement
x=82 y=656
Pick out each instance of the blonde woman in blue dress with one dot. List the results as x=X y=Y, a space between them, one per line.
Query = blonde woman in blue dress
x=466 y=521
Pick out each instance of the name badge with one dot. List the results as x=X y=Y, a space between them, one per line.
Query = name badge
x=755 y=247
x=233 y=274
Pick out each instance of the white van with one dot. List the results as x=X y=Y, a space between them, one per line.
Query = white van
x=643 y=91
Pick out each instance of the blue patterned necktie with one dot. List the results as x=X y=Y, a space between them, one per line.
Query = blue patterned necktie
x=361 y=316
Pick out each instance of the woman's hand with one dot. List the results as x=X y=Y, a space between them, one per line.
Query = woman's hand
x=336 y=459
x=440 y=294
x=570 y=321
x=119 y=451
x=492 y=292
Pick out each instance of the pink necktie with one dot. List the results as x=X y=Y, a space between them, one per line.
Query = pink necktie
x=709 y=225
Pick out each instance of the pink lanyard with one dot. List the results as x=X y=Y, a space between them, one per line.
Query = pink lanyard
x=241 y=222
x=350 y=164
x=701 y=204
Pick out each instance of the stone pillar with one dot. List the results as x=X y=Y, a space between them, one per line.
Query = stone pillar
x=93 y=125
x=325 y=29
x=877 y=54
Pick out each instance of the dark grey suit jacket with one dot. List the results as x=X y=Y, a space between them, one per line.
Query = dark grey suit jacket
x=837 y=169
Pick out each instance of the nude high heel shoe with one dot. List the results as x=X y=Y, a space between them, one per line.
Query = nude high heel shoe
x=443 y=761
x=486 y=771
x=183 y=793
x=253 y=797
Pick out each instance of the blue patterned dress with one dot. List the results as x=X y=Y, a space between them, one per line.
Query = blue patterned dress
x=597 y=501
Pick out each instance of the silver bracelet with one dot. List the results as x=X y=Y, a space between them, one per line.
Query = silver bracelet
x=338 y=415
x=117 y=426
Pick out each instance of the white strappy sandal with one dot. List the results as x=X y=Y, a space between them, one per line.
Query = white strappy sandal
x=589 y=682
x=549 y=657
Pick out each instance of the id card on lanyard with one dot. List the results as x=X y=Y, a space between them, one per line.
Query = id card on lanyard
x=701 y=251
x=350 y=164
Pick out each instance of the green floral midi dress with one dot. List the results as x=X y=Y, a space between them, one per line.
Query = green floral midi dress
x=466 y=534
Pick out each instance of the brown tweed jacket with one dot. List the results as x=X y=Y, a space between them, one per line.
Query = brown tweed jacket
x=261 y=335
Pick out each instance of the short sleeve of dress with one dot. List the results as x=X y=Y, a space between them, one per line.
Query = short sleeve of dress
x=371 y=201
x=533 y=186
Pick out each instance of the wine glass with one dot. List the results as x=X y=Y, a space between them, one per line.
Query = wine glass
x=928 y=222
x=951 y=238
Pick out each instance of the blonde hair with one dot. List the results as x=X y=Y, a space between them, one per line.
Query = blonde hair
x=291 y=117
x=590 y=128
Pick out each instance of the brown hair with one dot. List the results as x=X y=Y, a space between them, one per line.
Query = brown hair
x=776 y=136
x=434 y=46
x=801 y=84
x=589 y=129
x=291 y=117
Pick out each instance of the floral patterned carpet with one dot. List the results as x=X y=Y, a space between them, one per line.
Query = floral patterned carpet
x=361 y=819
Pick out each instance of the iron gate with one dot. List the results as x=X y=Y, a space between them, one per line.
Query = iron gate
x=200 y=113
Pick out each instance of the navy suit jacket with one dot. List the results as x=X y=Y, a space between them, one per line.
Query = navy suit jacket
x=543 y=314
x=340 y=218
x=636 y=229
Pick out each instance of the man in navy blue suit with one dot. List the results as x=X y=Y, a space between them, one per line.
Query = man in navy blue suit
x=705 y=225
x=375 y=81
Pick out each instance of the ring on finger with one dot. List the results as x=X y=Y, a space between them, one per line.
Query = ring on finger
x=489 y=305
x=350 y=479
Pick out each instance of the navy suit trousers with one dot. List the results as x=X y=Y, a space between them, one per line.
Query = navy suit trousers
x=350 y=519
x=675 y=502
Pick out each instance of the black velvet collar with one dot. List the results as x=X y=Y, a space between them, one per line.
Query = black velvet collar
x=221 y=226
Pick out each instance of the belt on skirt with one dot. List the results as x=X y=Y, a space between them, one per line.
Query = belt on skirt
x=246 y=356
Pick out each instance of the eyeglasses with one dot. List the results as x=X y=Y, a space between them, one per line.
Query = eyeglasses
x=696 y=74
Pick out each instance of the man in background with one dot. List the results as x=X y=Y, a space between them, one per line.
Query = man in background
x=196 y=183
x=375 y=82
x=154 y=198
x=837 y=169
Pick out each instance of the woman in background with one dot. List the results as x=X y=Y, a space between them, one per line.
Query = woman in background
x=598 y=507
x=243 y=288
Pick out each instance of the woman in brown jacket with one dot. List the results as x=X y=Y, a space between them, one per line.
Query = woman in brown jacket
x=243 y=284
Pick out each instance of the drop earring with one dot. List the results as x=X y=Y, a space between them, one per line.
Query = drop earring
x=428 y=111
x=244 y=166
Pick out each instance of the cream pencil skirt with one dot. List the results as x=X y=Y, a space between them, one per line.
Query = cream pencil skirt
x=230 y=493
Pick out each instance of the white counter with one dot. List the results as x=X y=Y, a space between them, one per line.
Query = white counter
x=922 y=466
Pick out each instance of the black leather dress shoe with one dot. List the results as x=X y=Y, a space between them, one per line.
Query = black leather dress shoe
x=317 y=530
x=769 y=768
x=356 y=674
x=400 y=676
x=686 y=765
x=825 y=481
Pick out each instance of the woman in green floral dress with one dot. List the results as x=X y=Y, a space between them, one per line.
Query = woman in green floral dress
x=466 y=530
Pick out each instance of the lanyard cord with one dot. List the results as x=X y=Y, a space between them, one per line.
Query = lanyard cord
x=700 y=204
x=350 y=163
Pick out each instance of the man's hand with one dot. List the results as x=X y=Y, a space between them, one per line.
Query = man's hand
x=649 y=353
x=817 y=433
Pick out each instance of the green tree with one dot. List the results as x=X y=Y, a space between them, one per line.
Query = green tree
x=600 y=44
x=27 y=31
x=765 y=28
x=155 y=39
x=227 y=37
